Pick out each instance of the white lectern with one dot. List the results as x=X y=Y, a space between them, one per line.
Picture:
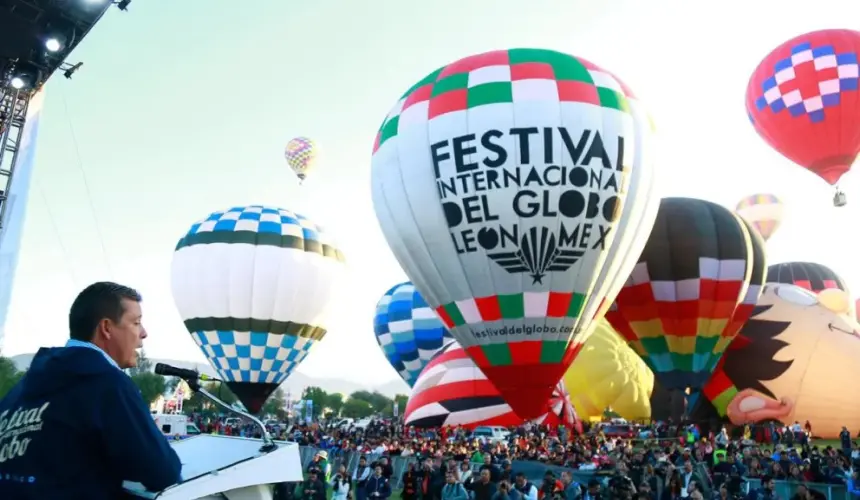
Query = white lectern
x=219 y=467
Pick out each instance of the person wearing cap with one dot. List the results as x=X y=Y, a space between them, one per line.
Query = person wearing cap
x=321 y=465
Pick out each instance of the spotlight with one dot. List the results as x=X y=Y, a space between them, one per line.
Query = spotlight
x=17 y=83
x=53 y=44
x=122 y=4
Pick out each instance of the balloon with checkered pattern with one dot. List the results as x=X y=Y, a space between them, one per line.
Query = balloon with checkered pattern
x=803 y=100
x=254 y=286
x=694 y=286
x=301 y=154
x=514 y=188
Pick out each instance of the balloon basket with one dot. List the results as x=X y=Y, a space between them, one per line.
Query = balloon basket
x=839 y=199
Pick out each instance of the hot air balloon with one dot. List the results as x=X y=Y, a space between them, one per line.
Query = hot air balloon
x=408 y=331
x=607 y=373
x=452 y=391
x=803 y=101
x=301 y=154
x=763 y=211
x=514 y=188
x=809 y=275
x=794 y=363
x=695 y=284
x=252 y=285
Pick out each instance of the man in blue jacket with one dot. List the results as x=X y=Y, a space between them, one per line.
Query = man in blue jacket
x=75 y=427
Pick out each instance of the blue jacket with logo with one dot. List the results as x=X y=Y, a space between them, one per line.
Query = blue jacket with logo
x=76 y=427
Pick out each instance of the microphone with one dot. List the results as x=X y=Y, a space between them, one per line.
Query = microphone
x=183 y=373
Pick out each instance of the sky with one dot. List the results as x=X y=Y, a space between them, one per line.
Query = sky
x=183 y=108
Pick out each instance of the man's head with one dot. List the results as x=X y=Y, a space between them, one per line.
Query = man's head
x=566 y=477
x=109 y=316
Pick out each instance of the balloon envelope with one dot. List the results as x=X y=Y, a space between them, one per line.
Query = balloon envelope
x=252 y=285
x=301 y=155
x=809 y=275
x=452 y=391
x=695 y=284
x=790 y=353
x=514 y=188
x=803 y=101
x=763 y=211
x=408 y=331
x=607 y=373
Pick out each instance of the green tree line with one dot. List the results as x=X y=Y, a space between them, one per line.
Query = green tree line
x=359 y=404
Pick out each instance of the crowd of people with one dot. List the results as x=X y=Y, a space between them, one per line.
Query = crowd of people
x=678 y=462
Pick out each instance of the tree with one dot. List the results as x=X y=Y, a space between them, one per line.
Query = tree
x=221 y=391
x=151 y=385
x=377 y=401
x=143 y=364
x=400 y=400
x=334 y=402
x=318 y=396
x=9 y=375
x=275 y=405
x=357 y=408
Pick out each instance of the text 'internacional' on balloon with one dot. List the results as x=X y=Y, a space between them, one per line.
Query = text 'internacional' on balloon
x=515 y=189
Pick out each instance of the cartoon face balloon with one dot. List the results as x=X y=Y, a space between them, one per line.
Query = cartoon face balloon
x=253 y=285
x=789 y=360
x=514 y=188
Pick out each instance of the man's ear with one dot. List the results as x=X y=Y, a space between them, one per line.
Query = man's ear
x=104 y=328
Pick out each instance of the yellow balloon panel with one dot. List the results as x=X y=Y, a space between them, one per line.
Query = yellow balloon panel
x=607 y=373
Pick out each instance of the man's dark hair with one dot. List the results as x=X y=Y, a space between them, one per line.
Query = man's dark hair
x=102 y=300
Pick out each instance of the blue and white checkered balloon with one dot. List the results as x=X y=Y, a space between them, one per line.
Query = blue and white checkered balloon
x=408 y=331
x=253 y=285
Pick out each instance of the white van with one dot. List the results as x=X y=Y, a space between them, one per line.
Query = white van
x=490 y=433
x=175 y=425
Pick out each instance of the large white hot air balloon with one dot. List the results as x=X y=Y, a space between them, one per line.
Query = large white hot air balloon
x=253 y=285
x=515 y=189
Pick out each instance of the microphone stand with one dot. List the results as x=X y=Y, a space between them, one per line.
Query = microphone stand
x=268 y=443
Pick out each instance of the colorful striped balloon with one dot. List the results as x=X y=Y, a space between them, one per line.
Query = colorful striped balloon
x=695 y=285
x=453 y=391
x=763 y=211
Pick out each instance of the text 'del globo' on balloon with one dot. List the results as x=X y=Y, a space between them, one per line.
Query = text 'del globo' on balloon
x=514 y=188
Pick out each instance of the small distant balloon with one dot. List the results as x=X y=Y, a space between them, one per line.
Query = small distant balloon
x=764 y=211
x=301 y=154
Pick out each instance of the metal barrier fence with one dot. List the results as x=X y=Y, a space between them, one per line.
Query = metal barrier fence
x=535 y=471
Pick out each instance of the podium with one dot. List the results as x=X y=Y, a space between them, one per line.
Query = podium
x=224 y=467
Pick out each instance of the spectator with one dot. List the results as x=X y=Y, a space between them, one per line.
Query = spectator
x=410 y=483
x=572 y=489
x=378 y=486
x=312 y=488
x=453 y=490
x=341 y=484
x=767 y=490
x=526 y=488
x=506 y=491
x=853 y=485
x=484 y=488
x=360 y=477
